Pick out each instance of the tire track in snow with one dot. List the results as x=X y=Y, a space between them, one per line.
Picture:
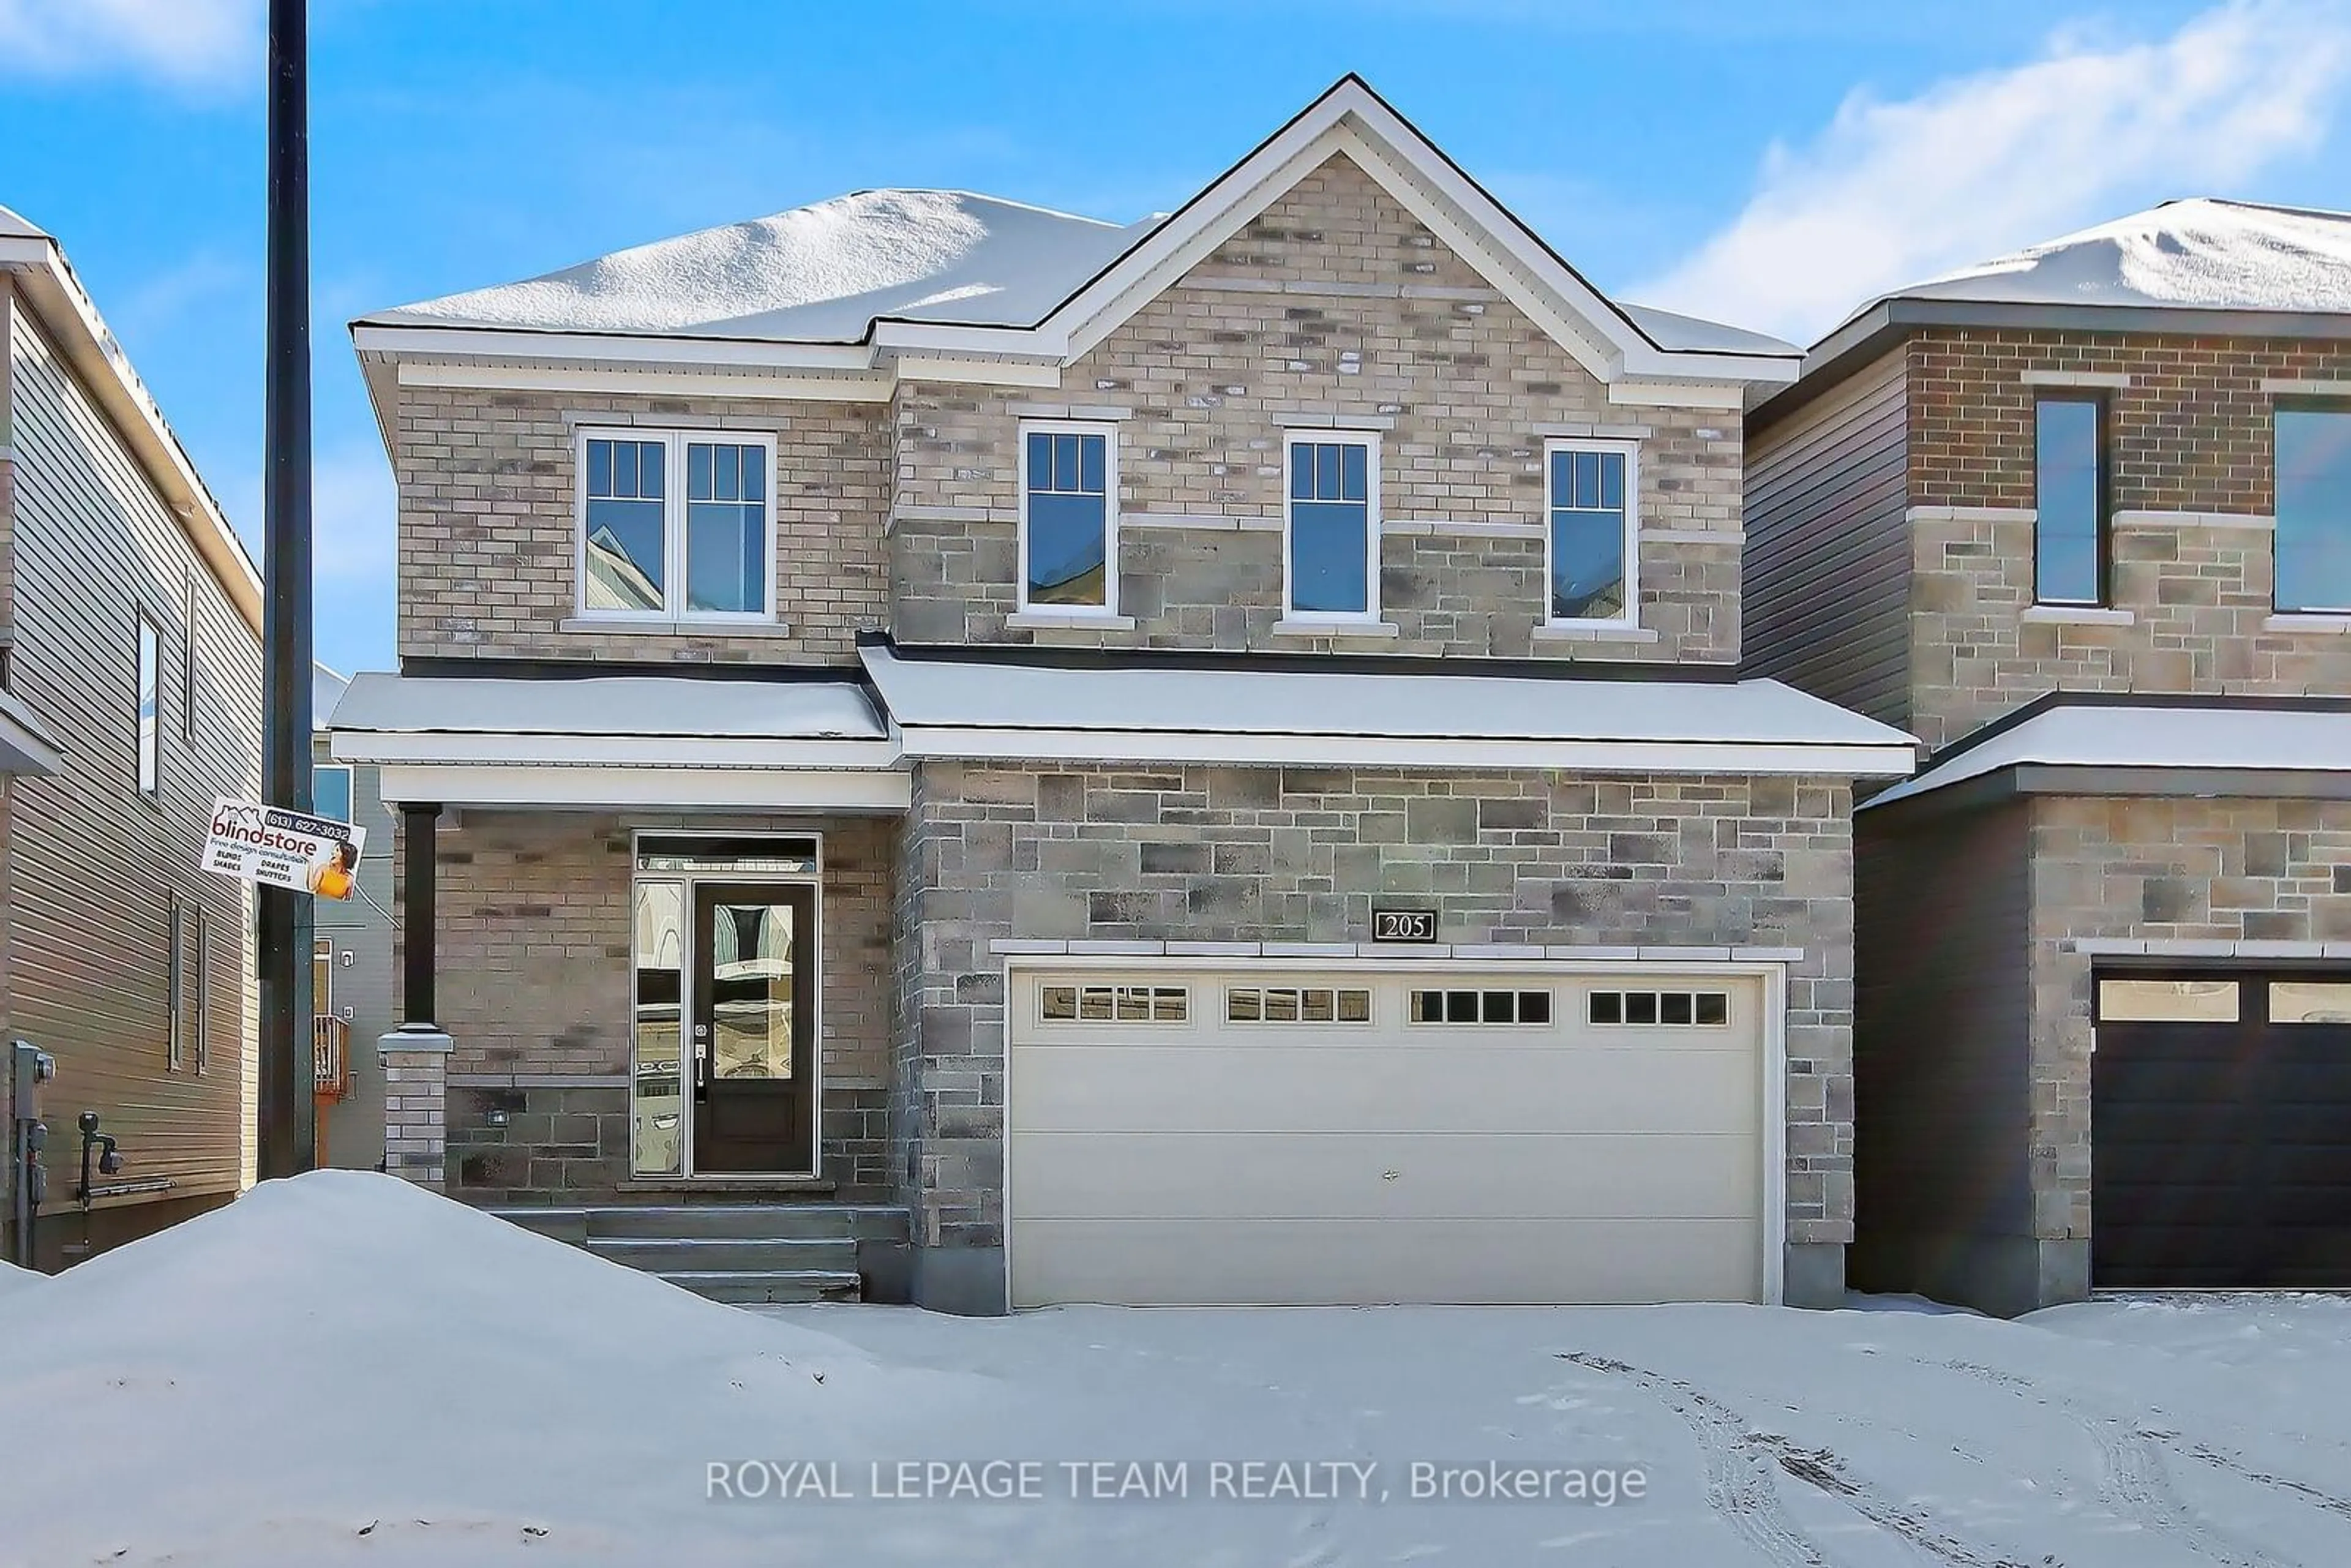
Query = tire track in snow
x=1743 y=1489
x=2131 y=1474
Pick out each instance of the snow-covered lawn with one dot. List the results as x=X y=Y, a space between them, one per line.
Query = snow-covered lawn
x=339 y=1369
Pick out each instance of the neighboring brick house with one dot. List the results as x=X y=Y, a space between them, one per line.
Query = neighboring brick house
x=1202 y=761
x=2081 y=519
x=130 y=699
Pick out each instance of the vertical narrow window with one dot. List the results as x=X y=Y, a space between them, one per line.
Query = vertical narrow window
x=150 y=737
x=175 y=985
x=726 y=529
x=626 y=522
x=200 y=966
x=1333 y=533
x=331 y=791
x=1069 y=555
x=2069 y=480
x=2314 y=506
x=1590 y=532
x=188 y=657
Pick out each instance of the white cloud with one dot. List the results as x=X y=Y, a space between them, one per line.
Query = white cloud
x=1892 y=193
x=193 y=42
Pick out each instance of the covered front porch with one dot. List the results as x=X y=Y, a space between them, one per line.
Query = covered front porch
x=645 y=945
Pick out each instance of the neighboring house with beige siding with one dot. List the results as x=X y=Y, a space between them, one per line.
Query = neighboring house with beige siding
x=1201 y=760
x=129 y=617
x=2081 y=519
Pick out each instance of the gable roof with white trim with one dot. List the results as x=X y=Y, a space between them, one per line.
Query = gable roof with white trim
x=856 y=284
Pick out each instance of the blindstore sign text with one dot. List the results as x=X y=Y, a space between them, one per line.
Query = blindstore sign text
x=283 y=848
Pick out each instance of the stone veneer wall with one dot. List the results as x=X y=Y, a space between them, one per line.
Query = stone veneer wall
x=1296 y=855
x=534 y=988
x=1333 y=306
x=2192 y=474
x=2217 y=870
x=489 y=523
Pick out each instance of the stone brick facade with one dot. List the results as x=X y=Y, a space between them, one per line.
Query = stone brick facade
x=489 y=524
x=534 y=986
x=1334 y=306
x=2241 y=871
x=1296 y=855
x=2193 y=547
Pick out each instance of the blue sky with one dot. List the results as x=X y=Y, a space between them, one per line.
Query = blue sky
x=1769 y=164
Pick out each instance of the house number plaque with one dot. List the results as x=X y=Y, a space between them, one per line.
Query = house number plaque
x=1404 y=925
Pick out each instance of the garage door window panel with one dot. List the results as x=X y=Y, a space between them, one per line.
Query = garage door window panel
x=1113 y=1004
x=1660 y=1009
x=1298 y=1005
x=1481 y=1007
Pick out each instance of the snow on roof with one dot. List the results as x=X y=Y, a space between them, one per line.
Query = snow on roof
x=2200 y=253
x=1692 y=335
x=1160 y=699
x=817 y=274
x=822 y=274
x=12 y=1278
x=14 y=225
x=625 y=706
x=400 y=1364
x=2086 y=736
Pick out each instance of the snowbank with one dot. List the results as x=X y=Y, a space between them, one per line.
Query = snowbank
x=344 y=1353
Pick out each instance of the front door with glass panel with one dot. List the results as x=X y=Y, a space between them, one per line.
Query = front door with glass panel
x=750 y=1035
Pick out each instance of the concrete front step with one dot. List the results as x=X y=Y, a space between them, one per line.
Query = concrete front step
x=790 y=1249
x=781 y=1221
x=662 y=1254
x=743 y=1287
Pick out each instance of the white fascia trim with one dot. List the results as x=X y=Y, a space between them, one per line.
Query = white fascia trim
x=949 y=743
x=1727 y=396
x=1041 y=374
x=64 y=310
x=512 y=750
x=684 y=789
x=616 y=349
x=849 y=387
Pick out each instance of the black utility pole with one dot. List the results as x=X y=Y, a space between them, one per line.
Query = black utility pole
x=288 y=1113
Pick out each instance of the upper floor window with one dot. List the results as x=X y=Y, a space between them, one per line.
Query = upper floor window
x=1069 y=522
x=1331 y=553
x=1590 y=495
x=2314 y=506
x=675 y=525
x=2070 y=516
x=151 y=680
x=331 y=791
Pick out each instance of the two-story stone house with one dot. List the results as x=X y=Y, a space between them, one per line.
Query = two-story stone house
x=1205 y=759
x=2081 y=519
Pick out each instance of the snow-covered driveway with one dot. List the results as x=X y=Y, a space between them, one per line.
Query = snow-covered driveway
x=340 y=1369
x=2137 y=1435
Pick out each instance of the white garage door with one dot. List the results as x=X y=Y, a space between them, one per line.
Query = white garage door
x=1196 y=1137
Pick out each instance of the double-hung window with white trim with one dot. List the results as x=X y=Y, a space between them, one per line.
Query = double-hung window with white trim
x=1069 y=518
x=1590 y=524
x=1331 y=543
x=676 y=526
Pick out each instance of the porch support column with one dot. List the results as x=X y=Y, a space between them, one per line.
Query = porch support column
x=415 y=1056
x=420 y=918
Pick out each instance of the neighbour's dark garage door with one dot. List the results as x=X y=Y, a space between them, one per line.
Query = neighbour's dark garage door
x=2221 y=1125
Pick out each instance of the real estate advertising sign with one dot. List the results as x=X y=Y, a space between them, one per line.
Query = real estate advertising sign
x=283 y=848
